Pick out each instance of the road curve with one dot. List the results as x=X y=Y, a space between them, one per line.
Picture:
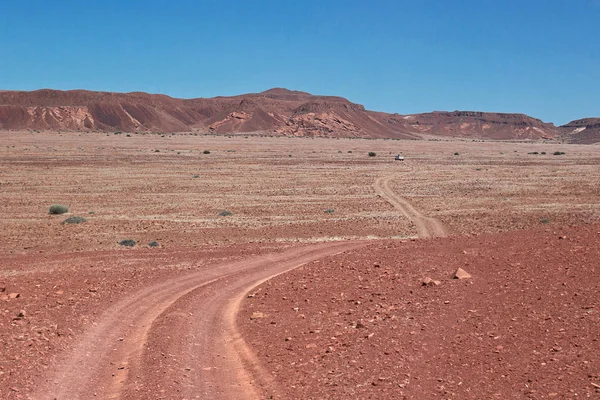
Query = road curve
x=176 y=339
x=426 y=226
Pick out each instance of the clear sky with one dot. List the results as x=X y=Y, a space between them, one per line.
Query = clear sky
x=538 y=57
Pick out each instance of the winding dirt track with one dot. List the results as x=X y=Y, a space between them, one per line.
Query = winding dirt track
x=426 y=226
x=175 y=339
x=178 y=338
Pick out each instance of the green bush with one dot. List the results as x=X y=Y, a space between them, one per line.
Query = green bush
x=74 y=220
x=58 y=209
x=372 y=154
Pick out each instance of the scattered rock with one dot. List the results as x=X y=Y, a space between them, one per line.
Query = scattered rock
x=427 y=281
x=20 y=315
x=461 y=274
x=311 y=346
x=14 y=295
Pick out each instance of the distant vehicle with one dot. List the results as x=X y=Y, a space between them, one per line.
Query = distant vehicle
x=399 y=157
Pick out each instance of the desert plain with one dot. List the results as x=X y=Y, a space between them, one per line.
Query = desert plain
x=293 y=268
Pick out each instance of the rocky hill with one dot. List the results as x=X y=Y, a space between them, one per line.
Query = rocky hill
x=276 y=111
x=583 y=131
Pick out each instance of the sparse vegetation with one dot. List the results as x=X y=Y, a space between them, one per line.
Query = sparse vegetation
x=456 y=153
x=543 y=152
x=56 y=209
x=544 y=221
x=196 y=176
x=225 y=213
x=206 y=152
x=127 y=242
x=558 y=153
x=153 y=243
x=329 y=211
x=533 y=152
x=74 y=220
x=349 y=151
x=372 y=154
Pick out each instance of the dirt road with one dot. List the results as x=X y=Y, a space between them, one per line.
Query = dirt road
x=175 y=339
x=426 y=226
x=178 y=338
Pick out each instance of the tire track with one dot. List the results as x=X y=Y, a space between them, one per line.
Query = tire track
x=177 y=338
x=426 y=226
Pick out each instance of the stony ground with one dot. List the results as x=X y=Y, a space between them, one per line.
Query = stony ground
x=363 y=325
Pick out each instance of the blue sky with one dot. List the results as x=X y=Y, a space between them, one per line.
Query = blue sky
x=539 y=57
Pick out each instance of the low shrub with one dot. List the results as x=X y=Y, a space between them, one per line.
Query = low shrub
x=225 y=213
x=372 y=154
x=457 y=153
x=58 y=209
x=329 y=211
x=206 y=152
x=74 y=220
x=154 y=243
x=127 y=242
x=558 y=153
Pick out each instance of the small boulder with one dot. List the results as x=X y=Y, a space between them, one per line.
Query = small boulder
x=427 y=281
x=14 y=295
x=258 y=315
x=461 y=274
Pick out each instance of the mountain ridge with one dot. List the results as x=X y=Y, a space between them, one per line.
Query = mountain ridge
x=276 y=111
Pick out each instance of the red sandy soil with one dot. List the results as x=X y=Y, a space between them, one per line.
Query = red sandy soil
x=278 y=112
x=362 y=325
